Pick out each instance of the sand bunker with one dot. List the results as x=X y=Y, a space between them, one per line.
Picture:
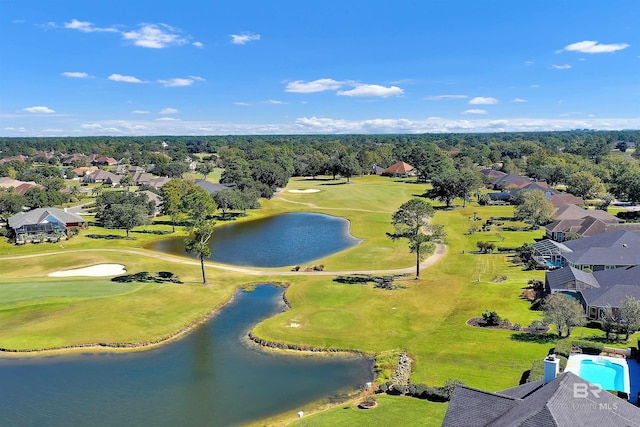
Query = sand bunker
x=99 y=270
x=308 y=190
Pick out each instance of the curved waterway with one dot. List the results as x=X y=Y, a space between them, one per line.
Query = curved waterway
x=212 y=377
x=275 y=241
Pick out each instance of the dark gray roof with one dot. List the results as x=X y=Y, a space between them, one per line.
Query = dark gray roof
x=37 y=216
x=523 y=390
x=548 y=247
x=552 y=404
x=213 y=188
x=620 y=247
x=558 y=279
x=473 y=407
x=611 y=296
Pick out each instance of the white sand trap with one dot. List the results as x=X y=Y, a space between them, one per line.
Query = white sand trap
x=308 y=190
x=99 y=270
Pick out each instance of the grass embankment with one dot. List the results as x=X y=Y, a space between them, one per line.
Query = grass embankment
x=426 y=319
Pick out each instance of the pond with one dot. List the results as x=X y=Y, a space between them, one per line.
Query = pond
x=213 y=376
x=276 y=241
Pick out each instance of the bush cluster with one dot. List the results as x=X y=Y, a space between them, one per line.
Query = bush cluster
x=382 y=282
x=422 y=391
x=146 y=277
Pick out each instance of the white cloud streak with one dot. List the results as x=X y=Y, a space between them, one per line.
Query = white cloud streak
x=244 y=38
x=39 y=110
x=124 y=79
x=591 y=46
x=481 y=100
x=561 y=67
x=320 y=85
x=168 y=110
x=155 y=36
x=445 y=97
x=475 y=111
x=179 y=82
x=76 y=75
x=519 y=100
x=87 y=27
x=372 y=90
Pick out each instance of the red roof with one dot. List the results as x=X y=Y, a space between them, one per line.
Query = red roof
x=400 y=167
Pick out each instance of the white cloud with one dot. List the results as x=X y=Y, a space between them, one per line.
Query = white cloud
x=529 y=62
x=481 y=100
x=445 y=97
x=125 y=79
x=320 y=85
x=76 y=74
x=591 y=46
x=168 y=110
x=155 y=36
x=166 y=119
x=372 y=90
x=244 y=38
x=519 y=100
x=91 y=126
x=475 y=111
x=561 y=67
x=197 y=44
x=534 y=86
x=87 y=27
x=177 y=82
x=39 y=110
x=140 y=112
x=252 y=104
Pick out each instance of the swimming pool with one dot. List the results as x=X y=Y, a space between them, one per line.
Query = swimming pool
x=610 y=373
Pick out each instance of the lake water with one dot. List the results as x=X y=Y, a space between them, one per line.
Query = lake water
x=276 y=241
x=212 y=377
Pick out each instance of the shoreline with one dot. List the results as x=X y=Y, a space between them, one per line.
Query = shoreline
x=440 y=251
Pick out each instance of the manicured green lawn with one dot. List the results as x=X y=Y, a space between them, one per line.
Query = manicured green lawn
x=426 y=318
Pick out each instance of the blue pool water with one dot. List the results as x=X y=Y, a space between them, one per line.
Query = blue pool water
x=609 y=376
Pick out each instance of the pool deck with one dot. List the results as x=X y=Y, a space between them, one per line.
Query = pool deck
x=631 y=368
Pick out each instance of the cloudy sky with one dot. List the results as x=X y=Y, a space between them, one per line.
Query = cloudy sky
x=71 y=68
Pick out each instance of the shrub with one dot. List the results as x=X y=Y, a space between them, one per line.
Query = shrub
x=589 y=347
x=491 y=318
x=563 y=348
x=516 y=327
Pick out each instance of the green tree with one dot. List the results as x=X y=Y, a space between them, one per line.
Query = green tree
x=205 y=169
x=411 y=222
x=630 y=315
x=445 y=187
x=584 y=184
x=201 y=210
x=564 y=312
x=122 y=211
x=174 y=194
x=10 y=203
x=126 y=181
x=349 y=166
x=535 y=207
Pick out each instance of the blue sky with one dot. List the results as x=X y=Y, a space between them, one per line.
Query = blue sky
x=75 y=68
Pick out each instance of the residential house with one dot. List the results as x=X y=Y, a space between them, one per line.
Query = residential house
x=122 y=169
x=492 y=174
x=509 y=180
x=150 y=180
x=85 y=170
x=400 y=168
x=214 y=188
x=75 y=159
x=20 y=187
x=102 y=177
x=104 y=161
x=596 y=290
x=19 y=158
x=155 y=198
x=552 y=402
x=377 y=170
x=43 y=223
x=604 y=251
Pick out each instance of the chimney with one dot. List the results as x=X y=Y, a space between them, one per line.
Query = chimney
x=551 y=368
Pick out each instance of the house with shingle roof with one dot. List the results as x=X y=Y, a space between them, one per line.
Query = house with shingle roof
x=213 y=187
x=554 y=403
x=104 y=161
x=20 y=187
x=25 y=226
x=596 y=290
x=102 y=177
x=400 y=168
